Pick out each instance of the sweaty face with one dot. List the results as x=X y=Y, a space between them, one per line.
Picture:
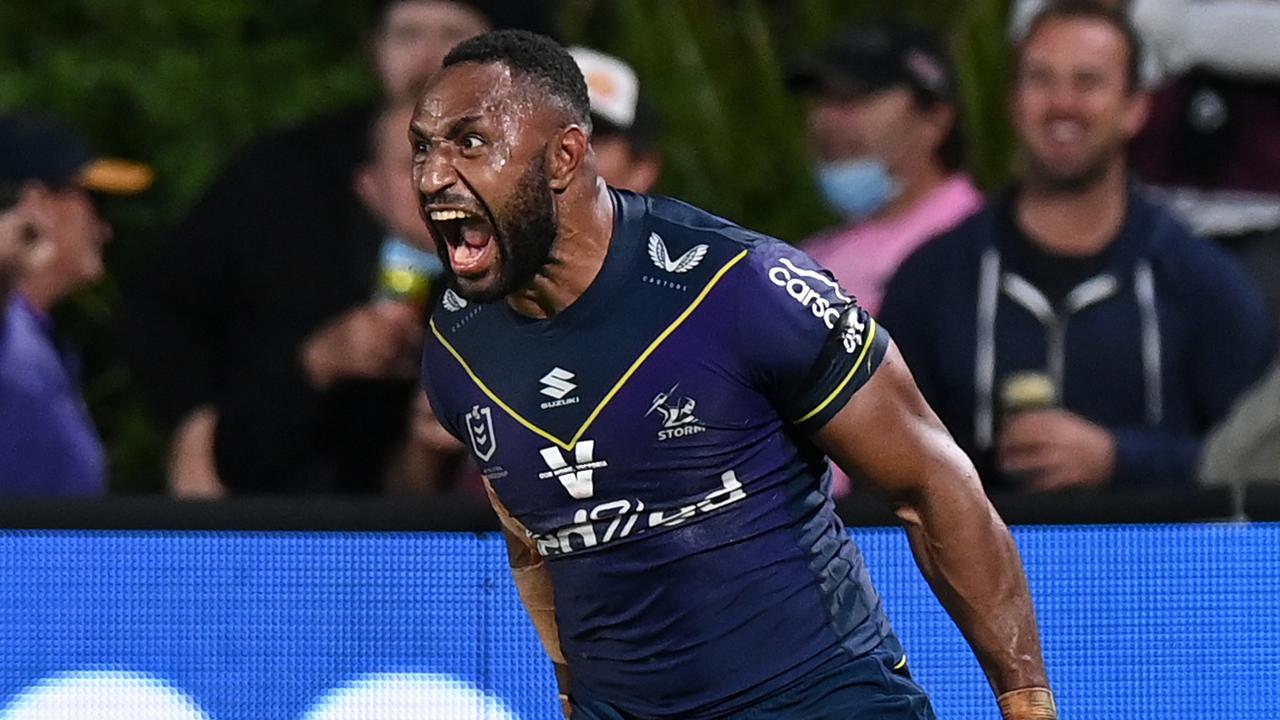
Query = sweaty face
x=415 y=37
x=1072 y=106
x=479 y=167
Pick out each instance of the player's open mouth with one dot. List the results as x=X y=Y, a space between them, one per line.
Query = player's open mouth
x=469 y=238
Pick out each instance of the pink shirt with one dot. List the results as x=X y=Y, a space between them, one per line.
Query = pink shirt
x=864 y=256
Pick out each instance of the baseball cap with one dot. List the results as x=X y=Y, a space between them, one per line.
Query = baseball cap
x=875 y=57
x=38 y=147
x=613 y=89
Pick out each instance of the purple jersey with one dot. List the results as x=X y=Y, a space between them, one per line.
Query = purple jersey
x=653 y=439
x=48 y=445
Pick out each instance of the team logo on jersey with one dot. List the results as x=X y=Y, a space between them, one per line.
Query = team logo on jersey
x=480 y=429
x=452 y=301
x=683 y=264
x=795 y=280
x=557 y=384
x=854 y=331
x=677 y=415
x=576 y=477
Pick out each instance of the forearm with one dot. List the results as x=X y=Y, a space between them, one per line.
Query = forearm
x=533 y=582
x=969 y=558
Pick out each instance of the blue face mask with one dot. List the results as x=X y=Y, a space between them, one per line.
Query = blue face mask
x=857 y=188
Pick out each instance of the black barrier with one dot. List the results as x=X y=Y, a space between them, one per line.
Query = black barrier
x=1262 y=502
x=1083 y=507
x=464 y=513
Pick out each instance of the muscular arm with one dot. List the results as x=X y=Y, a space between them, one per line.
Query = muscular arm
x=534 y=586
x=888 y=435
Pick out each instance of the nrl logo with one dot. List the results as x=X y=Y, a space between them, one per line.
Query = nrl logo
x=480 y=428
x=686 y=262
x=452 y=301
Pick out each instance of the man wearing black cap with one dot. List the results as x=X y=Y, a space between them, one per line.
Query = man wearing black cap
x=887 y=141
x=256 y=327
x=48 y=445
x=886 y=137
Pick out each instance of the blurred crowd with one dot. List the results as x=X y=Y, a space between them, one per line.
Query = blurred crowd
x=1107 y=320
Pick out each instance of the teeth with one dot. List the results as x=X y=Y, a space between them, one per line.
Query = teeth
x=1065 y=131
x=449 y=215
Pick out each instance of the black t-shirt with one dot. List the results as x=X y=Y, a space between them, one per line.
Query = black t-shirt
x=1053 y=274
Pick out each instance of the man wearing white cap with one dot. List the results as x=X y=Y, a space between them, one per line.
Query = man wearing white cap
x=624 y=128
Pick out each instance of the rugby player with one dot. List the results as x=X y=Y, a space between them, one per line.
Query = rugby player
x=651 y=393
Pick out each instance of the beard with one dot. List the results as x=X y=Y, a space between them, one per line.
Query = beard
x=525 y=229
x=1045 y=178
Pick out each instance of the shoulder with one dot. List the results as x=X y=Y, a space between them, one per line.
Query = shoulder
x=1186 y=260
x=954 y=250
x=690 y=224
x=29 y=367
x=681 y=235
x=678 y=222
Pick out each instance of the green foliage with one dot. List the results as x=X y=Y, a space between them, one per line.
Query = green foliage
x=181 y=85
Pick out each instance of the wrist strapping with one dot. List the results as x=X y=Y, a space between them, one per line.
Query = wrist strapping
x=1033 y=703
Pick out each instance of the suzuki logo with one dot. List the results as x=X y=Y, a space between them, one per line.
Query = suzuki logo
x=576 y=478
x=480 y=428
x=557 y=383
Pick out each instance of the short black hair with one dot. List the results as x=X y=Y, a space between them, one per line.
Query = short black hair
x=536 y=58
x=1116 y=17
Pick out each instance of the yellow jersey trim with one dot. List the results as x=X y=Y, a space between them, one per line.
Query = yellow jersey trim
x=866 y=347
x=901 y=663
x=569 y=444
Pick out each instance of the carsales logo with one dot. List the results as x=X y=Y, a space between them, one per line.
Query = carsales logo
x=137 y=696
x=795 y=280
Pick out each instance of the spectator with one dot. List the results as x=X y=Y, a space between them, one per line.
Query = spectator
x=888 y=144
x=22 y=240
x=429 y=453
x=48 y=445
x=1213 y=140
x=1144 y=333
x=1245 y=446
x=255 y=328
x=624 y=130
x=1235 y=37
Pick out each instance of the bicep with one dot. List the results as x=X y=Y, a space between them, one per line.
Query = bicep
x=888 y=435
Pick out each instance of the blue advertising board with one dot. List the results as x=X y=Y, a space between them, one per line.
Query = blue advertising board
x=1175 y=622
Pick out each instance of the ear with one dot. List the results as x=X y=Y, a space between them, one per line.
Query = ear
x=567 y=157
x=1135 y=116
x=938 y=123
